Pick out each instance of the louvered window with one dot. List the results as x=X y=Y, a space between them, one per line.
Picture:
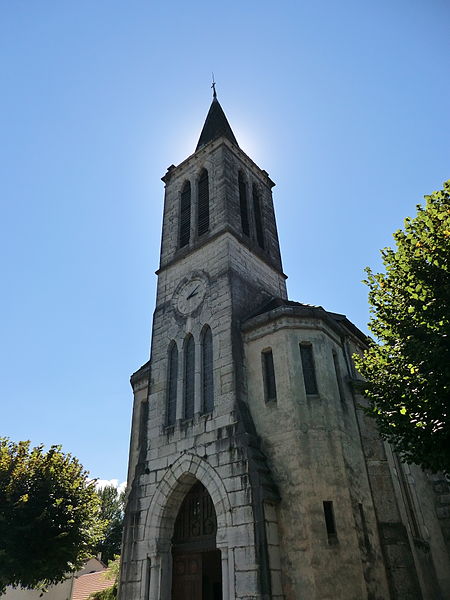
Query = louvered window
x=171 y=412
x=185 y=215
x=258 y=217
x=309 y=372
x=270 y=388
x=189 y=377
x=203 y=203
x=243 y=205
x=207 y=371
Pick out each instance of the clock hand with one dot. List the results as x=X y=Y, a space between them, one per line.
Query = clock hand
x=193 y=293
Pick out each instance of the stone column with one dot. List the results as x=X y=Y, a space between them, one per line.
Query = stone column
x=225 y=578
x=165 y=575
x=230 y=574
x=153 y=574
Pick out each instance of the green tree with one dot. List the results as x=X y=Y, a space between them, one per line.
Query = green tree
x=407 y=374
x=49 y=515
x=111 y=511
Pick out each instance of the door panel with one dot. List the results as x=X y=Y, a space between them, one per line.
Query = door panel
x=187 y=577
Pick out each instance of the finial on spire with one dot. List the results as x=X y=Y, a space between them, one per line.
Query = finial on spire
x=214 y=88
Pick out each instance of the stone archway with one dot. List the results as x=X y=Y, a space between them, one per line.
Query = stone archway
x=160 y=523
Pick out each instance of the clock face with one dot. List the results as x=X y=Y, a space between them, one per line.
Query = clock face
x=191 y=295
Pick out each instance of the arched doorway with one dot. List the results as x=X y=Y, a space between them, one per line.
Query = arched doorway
x=196 y=561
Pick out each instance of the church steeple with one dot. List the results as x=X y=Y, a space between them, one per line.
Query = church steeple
x=216 y=125
x=220 y=190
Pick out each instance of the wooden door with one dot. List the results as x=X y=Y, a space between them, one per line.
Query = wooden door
x=187 y=577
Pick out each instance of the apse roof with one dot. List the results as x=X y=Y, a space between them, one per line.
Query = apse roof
x=216 y=125
x=306 y=310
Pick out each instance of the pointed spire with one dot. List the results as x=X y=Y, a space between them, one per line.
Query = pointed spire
x=216 y=124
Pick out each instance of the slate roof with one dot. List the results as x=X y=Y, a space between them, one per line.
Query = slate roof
x=141 y=373
x=85 y=585
x=305 y=310
x=216 y=125
x=275 y=303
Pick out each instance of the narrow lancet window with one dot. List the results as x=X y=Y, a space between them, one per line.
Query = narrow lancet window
x=338 y=378
x=185 y=215
x=330 y=522
x=243 y=205
x=207 y=371
x=258 y=217
x=270 y=388
x=189 y=377
x=203 y=203
x=135 y=518
x=172 y=379
x=364 y=526
x=309 y=372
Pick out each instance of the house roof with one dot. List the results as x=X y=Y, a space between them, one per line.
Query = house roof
x=85 y=585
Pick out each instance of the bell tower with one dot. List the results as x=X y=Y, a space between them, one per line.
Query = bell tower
x=217 y=194
x=220 y=259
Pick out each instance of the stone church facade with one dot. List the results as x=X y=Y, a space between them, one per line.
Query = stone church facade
x=253 y=474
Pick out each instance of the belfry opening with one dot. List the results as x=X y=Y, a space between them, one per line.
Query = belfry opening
x=196 y=561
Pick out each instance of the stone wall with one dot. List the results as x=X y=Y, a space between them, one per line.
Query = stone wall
x=314 y=452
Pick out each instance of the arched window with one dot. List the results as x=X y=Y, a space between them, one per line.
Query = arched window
x=203 y=203
x=189 y=377
x=258 y=217
x=207 y=371
x=243 y=204
x=172 y=378
x=185 y=215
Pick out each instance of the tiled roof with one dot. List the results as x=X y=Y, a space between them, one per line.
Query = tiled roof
x=85 y=585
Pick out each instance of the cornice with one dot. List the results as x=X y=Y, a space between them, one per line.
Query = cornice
x=182 y=253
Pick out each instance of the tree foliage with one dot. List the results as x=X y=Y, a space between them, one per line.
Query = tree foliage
x=111 y=511
x=49 y=515
x=408 y=372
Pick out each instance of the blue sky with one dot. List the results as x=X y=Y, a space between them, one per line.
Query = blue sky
x=345 y=104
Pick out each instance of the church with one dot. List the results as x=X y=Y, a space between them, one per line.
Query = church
x=253 y=473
